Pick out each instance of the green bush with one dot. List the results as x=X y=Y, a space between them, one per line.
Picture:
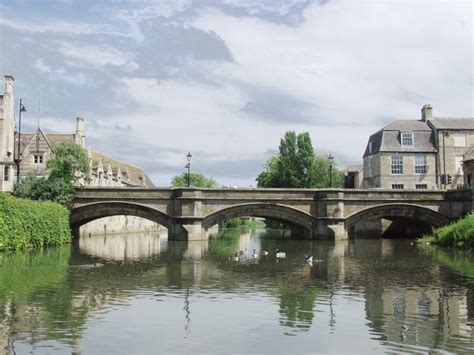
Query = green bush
x=24 y=223
x=459 y=234
x=45 y=189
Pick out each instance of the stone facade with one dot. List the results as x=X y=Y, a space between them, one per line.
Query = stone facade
x=7 y=136
x=414 y=154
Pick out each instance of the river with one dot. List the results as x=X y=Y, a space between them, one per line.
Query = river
x=143 y=294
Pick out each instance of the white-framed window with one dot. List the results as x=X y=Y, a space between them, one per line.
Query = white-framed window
x=421 y=186
x=407 y=139
x=6 y=173
x=420 y=164
x=370 y=166
x=38 y=158
x=397 y=186
x=397 y=164
x=458 y=164
x=460 y=140
x=371 y=147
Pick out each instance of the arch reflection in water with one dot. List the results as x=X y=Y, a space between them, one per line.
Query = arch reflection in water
x=120 y=247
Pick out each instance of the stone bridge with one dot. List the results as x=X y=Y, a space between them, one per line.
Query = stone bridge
x=189 y=213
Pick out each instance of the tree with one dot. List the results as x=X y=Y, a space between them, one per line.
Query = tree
x=196 y=180
x=69 y=162
x=296 y=165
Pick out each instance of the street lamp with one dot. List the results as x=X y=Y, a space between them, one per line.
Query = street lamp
x=188 y=166
x=18 y=157
x=331 y=162
x=305 y=172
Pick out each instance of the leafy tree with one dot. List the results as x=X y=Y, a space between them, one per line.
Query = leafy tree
x=69 y=161
x=196 y=180
x=45 y=189
x=296 y=165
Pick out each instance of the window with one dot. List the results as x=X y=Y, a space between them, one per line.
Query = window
x=370 y=166
x=6 y=174
x=397 y=164
x=421 y=186
x=407 y=139
x=397 y=186
x=38 y=159
x=459 y=140
x=420 y=164
x=371 y=147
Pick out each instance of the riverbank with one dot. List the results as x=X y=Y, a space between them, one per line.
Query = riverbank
x=25 y=223
x=458 y=235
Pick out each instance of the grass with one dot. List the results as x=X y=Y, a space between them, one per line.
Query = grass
x=458 y=235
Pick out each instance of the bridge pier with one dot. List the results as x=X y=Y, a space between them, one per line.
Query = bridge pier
x=189 y=232
x=330 y=229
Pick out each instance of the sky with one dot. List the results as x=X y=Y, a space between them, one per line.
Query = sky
x=226 y=79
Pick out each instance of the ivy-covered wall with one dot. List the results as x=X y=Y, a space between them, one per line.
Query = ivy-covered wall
x=25 y=223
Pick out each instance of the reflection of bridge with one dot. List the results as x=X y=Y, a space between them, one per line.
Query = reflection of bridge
x=335 y=213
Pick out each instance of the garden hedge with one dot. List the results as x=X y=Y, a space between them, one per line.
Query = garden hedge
x=25 y=223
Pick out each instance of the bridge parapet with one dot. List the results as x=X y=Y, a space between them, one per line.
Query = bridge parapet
x=326 y=209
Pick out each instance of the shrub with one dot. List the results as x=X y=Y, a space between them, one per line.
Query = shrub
x=459 y=234
x=24 y=223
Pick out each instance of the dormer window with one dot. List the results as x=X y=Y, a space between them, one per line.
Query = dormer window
x=371 y=147
x=407 y=139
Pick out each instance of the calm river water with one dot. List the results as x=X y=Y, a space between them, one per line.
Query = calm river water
x=142 y=294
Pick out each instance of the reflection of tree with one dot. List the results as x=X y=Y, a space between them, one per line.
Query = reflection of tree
x=226 y=244
x=296 y=306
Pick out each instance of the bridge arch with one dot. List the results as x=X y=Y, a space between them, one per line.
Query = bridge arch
x=92 y=211
x=397 y=211
x=300 y=220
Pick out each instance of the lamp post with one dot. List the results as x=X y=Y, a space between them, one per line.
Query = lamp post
x=18 y=157
x=305 y=172
x=188 y=166
x=331 y=162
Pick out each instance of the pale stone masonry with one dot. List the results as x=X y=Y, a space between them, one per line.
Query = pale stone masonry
x=7 y=136
x=413 y=154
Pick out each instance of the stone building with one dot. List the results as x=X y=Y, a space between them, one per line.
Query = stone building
x=417 y=154
x=36 y=150
x=7 y=136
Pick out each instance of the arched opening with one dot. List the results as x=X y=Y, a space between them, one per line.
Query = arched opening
x=394 y=221
x=107 y=215
x=300 y=223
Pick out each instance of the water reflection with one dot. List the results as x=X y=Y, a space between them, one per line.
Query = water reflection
x=122 y=246
x=377 y=295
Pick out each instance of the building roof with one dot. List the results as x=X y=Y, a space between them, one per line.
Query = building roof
x=388 y=139
x=452 y=123
x=130 y=174
x=407 y=126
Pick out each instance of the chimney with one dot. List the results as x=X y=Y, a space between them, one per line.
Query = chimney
x=426 y=112
x=79 y=137
x=9 y=79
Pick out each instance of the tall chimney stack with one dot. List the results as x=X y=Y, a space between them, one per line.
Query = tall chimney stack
x=9 y=79
x=79 y=137
x=426 y=112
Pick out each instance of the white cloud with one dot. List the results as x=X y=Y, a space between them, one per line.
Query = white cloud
x=96 y=56
x=60 y=27
x=163 y=8
x=39 y=64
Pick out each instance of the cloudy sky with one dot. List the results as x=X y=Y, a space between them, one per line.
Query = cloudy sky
x=226 y=79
